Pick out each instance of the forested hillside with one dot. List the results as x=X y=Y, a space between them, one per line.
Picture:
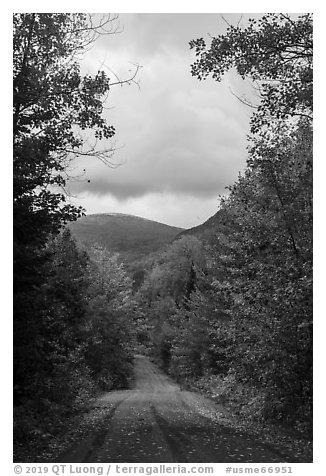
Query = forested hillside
x=134 y=239
x=225 y=307
x=127 y=235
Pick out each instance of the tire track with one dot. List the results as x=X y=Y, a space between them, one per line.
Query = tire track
x=82 y=451
x=156 y=422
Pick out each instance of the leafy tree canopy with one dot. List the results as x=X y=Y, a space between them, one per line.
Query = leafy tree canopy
x=53 y=105
x=275 y=52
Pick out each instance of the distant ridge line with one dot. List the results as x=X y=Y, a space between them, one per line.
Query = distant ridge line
x=131 y=236
x=114 y=214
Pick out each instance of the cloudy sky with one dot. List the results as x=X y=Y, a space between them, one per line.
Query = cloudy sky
x=180 y=141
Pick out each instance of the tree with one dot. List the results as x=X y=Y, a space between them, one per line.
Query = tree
x=62 y=374
x=80 y=343
x=110 y=277
x=275 y=52
x=265 y=287
x=67 y=341
x=270 y=270
x=110 y=320
x=55 y=110
x=51 y=377
x=53 y=104
x=175 y=276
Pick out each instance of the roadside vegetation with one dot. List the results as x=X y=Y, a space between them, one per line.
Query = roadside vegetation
x=225 y=308
x=229 y=304
x=72 y=329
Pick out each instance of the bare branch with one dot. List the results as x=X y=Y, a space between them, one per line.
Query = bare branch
x=239 y=21
x=243 y=99
x=225 y=20
x=130 y=80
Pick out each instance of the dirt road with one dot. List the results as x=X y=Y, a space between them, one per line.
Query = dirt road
x=157 y=422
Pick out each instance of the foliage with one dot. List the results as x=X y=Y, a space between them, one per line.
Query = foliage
x=247 y=318
x=167 y=287
x=109 y=348
x=267 y=253
x=134 y=238
x=61 y=328
x=235 y=310
x=54 y=380
x=85 y=339
x=176 y=271
x=275 y=52
x=52 y=105
x=271 y=269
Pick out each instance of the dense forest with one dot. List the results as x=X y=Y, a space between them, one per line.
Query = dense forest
x=226 y=307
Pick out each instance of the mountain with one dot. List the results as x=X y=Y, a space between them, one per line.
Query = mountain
x=131 y=236
x=216 y=224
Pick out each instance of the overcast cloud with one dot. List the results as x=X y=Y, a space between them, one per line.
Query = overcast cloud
x=181 y=141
